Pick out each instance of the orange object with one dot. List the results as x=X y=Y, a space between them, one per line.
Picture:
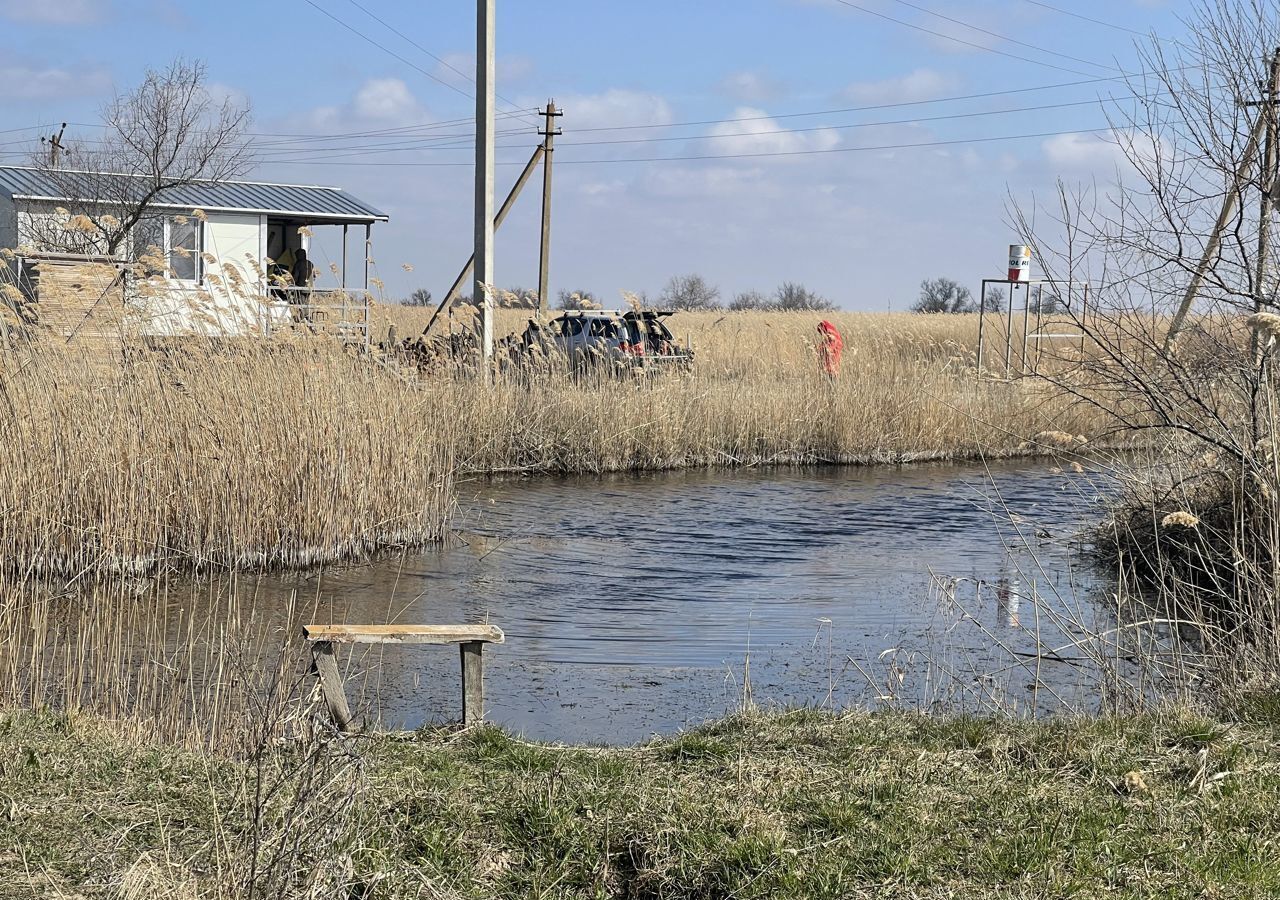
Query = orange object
x=830 y=348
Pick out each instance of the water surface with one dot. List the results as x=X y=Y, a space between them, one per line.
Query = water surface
x=641 y=604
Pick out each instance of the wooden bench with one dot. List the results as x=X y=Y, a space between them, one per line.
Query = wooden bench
x=469 y=638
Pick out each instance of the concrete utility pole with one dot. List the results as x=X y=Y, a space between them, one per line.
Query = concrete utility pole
x=486 y=33
x=548 y=133
x=1267 y=181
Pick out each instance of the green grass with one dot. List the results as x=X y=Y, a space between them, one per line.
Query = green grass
x=796 y=805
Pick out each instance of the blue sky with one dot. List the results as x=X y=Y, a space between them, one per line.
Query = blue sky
x=862 y=226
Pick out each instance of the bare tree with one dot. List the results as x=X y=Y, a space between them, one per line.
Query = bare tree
x=690 y=292
x=943 y=295
x=419 y=297
x=577 y=300
x=168 y=133
x=1180 y=255
x=747 y=300
x=794 y=297
x=994 y=299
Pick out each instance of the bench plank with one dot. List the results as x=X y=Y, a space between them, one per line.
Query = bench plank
x=404 y=634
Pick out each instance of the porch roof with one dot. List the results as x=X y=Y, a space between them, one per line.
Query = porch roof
x=312 y=203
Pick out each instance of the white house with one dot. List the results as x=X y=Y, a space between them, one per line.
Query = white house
x=219 y=242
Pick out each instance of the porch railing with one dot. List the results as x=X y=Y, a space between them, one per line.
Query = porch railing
x=340 y=312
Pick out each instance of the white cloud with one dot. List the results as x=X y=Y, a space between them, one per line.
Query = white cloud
x=27 y=82
x=378 y=102
x=758 y=133
x=1083 y=151
x=385 y=98
x=919 y=84
x=60 y=12
x=616 y=107
x=750 y=87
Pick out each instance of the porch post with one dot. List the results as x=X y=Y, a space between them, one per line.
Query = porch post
x=344 y=256
x=368 y=243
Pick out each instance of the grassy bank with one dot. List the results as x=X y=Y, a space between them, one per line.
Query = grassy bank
x=797 y=805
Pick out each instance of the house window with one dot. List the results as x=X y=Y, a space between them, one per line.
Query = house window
x=183 y=246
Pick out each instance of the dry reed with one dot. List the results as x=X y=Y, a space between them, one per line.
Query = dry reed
x=283 y=453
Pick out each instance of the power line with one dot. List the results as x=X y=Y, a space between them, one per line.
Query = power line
x=441 y=142
x=948 y=116
x=948 y=37
x=999 y=36
x=387 y=50
x=700 y=157
x=738 y=134
x=404 y=37
x=852 y=109
x=292 y=138
x=1076 y=15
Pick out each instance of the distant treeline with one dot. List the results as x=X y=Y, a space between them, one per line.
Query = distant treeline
x=693 y=292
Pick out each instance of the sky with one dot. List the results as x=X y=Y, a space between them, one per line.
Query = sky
x=834 y=143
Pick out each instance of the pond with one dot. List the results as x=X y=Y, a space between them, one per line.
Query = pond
x=643 y=604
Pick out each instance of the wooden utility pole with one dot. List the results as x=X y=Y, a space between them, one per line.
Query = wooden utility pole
x=548 y=133
x=486 y=34
x=1264 y=124
x=1266 y=181
x=55 y=145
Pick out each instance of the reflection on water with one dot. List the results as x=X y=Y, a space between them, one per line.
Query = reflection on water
x=632 y=604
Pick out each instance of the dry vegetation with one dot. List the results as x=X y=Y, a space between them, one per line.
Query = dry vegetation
x=907 y=391
x=288 y=453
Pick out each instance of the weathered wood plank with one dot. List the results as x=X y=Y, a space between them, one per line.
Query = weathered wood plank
x=331 y=684
x=404 y=634
x=472 y=655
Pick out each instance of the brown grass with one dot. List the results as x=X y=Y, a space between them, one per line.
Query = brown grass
x=907 y=391
x=247 y=455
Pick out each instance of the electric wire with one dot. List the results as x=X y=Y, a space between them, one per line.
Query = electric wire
x=404 y=37
x=953 y=38
x=387 y=50
x=1001 y=37
x=732 y=156
x=737 y=134
x=1076 y=15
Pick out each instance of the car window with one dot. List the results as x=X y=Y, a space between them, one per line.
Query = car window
x=573 y=327
x=658 y=329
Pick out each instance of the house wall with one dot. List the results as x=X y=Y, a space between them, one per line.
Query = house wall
x=234 y=242
x=232 y=299
x=40 y=225
x=8 y=224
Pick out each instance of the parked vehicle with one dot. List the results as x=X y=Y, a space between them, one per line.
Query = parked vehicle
x=631 y=339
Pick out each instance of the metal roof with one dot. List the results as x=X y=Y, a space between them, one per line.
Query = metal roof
x=309 y=202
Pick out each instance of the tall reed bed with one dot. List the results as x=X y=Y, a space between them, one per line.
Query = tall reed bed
x=246 y=454
x=191 y=663
x=907 y=390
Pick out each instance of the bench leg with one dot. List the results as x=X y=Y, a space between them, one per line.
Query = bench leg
x=335 y=697
x=472 y=682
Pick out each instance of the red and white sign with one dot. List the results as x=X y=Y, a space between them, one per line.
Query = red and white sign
x=1019 y=262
